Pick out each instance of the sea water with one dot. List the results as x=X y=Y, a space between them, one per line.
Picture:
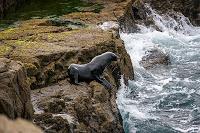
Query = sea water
x=165 y=98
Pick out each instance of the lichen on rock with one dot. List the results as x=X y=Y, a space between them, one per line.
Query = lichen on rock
x=47 y=47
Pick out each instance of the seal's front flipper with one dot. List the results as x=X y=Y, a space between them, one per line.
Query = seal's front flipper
x=74 y=73
x=104 y=82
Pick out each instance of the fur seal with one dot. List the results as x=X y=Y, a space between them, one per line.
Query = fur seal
x=92 y=70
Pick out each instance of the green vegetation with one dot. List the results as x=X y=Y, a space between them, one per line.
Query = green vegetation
x=47 y=9
x=4 y=50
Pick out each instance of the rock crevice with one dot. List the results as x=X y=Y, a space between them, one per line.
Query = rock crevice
x=15 y=92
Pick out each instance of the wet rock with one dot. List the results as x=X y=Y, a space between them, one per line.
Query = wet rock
x=17 y=126
x=135 y=14
x=14 y=90
x=137 y=11
x=190 y=8
x=154 y=57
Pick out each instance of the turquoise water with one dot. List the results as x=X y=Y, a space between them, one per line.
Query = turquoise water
x=46 y=8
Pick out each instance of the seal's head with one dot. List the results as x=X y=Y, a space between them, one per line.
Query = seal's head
x=111 y=56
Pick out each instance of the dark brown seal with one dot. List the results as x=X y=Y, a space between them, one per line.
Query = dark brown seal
x=92 y=70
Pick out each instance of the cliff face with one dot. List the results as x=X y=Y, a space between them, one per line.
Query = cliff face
x=47 y=51
x=14 y=91
x=88 y=108
x=136 y=13
x=189 y=8
x=47 y=47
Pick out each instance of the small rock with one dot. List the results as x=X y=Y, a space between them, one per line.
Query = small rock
x=55 y=106
x=3 y=67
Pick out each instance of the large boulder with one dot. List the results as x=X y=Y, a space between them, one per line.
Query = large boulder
x=17 y=126
x=14 y=90
x=154 y=57
x=87 y=108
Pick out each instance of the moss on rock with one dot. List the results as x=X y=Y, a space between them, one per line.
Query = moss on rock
x=5 y=50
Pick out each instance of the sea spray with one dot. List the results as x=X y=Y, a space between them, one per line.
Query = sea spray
x=164 y=98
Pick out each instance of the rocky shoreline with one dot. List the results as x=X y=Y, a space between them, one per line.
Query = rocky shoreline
x=35 y=55
x=15 y=92
x=46 y=47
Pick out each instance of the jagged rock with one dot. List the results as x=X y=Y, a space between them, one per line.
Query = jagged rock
x=47 y=49
x=190 y=8
x=137 y=11
x=89 y=108
x=56 y=105
x=47 y=52
x=50 y=123
x=154 y=57
x=17 y=126
x=14 y=90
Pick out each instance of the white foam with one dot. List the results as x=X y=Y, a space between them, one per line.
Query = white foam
x=109 y=25
x=180 y=25
x=179 y=39
x=195 y=129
